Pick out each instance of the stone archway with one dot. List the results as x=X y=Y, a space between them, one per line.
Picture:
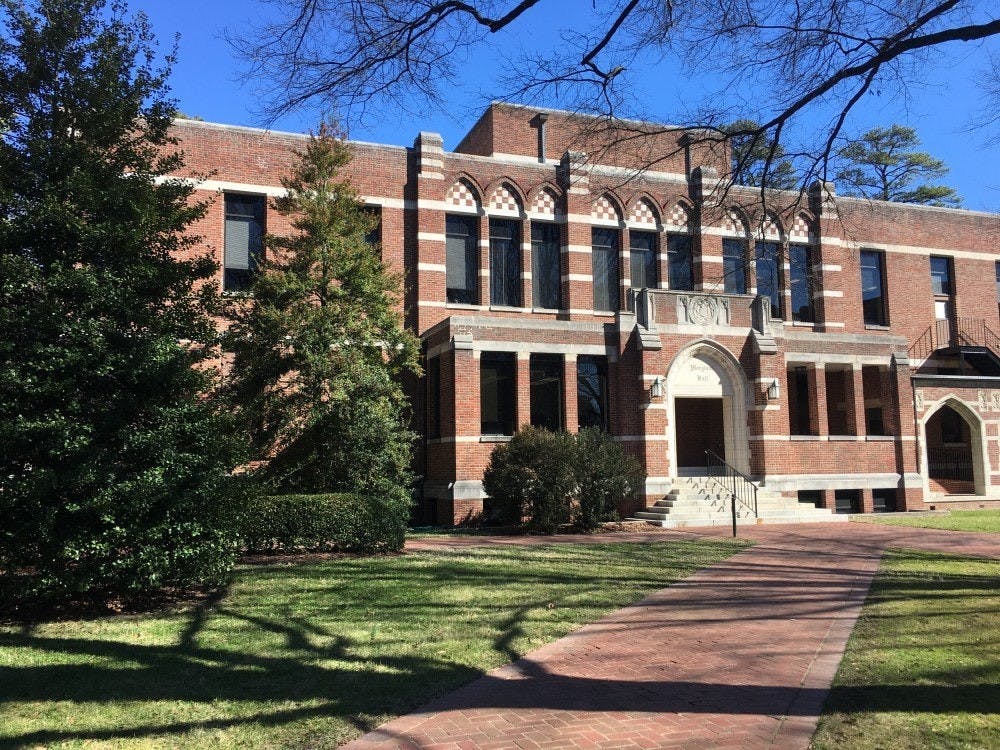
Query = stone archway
x=707 y=393
x=937 y=462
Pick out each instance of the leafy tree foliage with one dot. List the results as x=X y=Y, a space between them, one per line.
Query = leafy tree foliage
x=114 y=468
x=758 y=161
x=883 y=164
x=319 y=348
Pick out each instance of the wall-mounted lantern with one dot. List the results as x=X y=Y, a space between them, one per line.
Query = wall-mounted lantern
x=656 y=389
x=774 y=390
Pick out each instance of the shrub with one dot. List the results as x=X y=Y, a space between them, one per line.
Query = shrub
x=605 y=476
x=342 y=522
x=544 y=479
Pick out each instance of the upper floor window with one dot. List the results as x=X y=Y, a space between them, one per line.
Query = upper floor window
x=800 y=283
x=546 y=280
x=604 y=248
x=505 y=262
x=462 y=259
x=680 y=264
x=244 y=240
x=941 y=282
x=873 y=288
x=769 y=275
x=734 y=266
x=374 y=235
x=643 y=260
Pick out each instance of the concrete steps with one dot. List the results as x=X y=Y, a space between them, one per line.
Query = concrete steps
x=698 y=501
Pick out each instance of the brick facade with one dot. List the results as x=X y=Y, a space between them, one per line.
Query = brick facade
x=812 y=406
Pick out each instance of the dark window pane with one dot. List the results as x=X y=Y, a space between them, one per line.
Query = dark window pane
x=734 y=266
x=768 y=275
x=884 y=500
x=605 y=259
x=505 y=262
x=872 y=287
x=496 y=393
x=847 y=501
x=434 y=397
x=813 y=497
x=642 y=270
x=941 y=275
x=462 y=259
x=592 y=391
x=798 y=400
x=680 y=269
x=546 y=281
x=547 y=391
x=244 y=241
x=800 y=281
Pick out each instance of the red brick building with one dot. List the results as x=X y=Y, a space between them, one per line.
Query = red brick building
x=839 y=351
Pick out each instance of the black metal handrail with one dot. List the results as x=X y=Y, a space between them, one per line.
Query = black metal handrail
x=944 y=333
x=740 y=487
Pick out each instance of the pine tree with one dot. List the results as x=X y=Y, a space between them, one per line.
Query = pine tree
x=319 y=347
x=882 y=164
x=750 y=159
x=114 y=468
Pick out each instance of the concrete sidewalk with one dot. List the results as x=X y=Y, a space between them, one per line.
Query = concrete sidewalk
x=741 y=654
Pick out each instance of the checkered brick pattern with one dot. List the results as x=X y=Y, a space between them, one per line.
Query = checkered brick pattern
x=769 y=227
x=544 y=203
x=604 y=209
x=678 y=217
x=644 y=213
x=461 y=194
x=733 y=224
x=504 y=200
x=802 y=230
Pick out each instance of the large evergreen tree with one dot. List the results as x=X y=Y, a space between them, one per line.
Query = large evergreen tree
x=883 y=164
x=114 y=468
x=757 y=161
x=319 y=347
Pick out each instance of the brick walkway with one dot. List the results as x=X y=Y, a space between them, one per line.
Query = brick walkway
x=740 y=655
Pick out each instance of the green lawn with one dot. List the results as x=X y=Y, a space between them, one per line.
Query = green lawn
x=310 y=655
x=922 y=668
x=956 y=520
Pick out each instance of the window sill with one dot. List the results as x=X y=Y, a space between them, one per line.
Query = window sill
x=509 y=308
x=805 y=438
x=548 y=310
x=875 y=327
x=604 y=313
x=844 y=438
x=461 y=306
x=495 y=438
x=880 y=438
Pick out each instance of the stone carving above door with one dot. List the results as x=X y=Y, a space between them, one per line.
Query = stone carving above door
x=702 y=310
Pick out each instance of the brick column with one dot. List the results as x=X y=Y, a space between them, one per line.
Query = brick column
x=828 y=293
x=816 y=377
x=856 y=401
x=705 y=248
x=577 y=271
x=484 y=259
x=523 y=390
x=663 y=259
x=571 y=416
x=624 y=267
x=526 y=285
x=867 y=501
x=910 y=495
x=430 y=268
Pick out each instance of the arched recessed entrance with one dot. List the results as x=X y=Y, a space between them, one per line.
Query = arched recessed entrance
x=706 y=409
x=953 y=455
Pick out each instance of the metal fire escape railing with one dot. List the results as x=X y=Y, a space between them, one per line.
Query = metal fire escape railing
x=740 y=487
x=943 y=334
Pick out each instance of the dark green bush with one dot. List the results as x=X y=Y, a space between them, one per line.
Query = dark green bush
x=605 y=475
x=341 y=522
x=544 y=479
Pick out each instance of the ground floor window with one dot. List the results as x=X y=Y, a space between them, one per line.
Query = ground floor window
x=884 y=500
x=547 y=391
x=497 y=396
x=847 y=501
x=592 y=391
x=812 y=497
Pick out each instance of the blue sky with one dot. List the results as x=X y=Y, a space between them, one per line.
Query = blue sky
x=207 y=83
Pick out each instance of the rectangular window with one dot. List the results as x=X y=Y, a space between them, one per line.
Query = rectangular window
x=592 y=391
x=798 y=400
x=873 y=288
x=769 y=275
x=547 y=391
x=811 y=497
x=847 y=501
x=734 y=266
x=680 y=266
x=546 y=281
x=244 y=240
x=434 y=397
x=462 y=259
x=604 y=246
x=497 y=398
x=872 y=383
x=884 y=500
x=800 y=282
x=941 y=276
x=643 y=257
x=505 y=262
x=374 y=235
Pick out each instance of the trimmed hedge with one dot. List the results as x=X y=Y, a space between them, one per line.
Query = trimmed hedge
x=341 y=522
